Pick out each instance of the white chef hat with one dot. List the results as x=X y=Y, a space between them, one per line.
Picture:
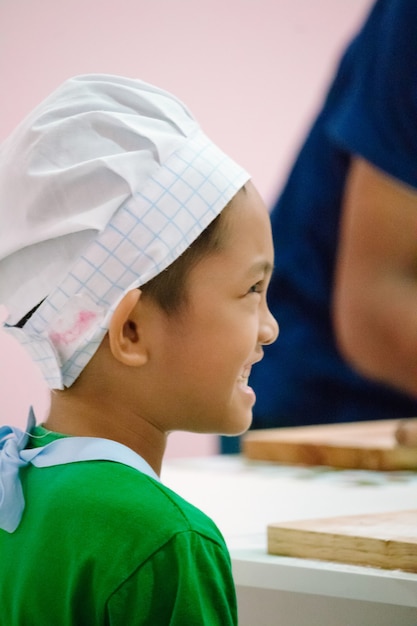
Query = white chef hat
x=102 y=187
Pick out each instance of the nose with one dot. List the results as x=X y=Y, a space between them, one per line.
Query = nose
x=268 y=328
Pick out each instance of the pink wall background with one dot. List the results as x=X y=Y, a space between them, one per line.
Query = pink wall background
x=252 y=71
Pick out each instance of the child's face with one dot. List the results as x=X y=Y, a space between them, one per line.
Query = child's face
x=206 y=351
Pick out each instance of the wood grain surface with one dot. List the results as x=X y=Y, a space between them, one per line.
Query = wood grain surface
x=385 y=540
x=357 y=445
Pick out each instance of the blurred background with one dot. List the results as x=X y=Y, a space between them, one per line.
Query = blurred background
x=253 y=72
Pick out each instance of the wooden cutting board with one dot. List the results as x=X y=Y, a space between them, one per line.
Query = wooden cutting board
x=386 y=540
x=356 y=445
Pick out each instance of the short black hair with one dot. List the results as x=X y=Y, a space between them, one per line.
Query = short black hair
x=168 y=289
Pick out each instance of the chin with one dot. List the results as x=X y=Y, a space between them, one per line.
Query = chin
x=238 y=426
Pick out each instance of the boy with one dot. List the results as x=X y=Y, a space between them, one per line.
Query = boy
x=135 y=270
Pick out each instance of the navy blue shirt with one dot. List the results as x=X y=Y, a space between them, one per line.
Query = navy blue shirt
x=371 y=111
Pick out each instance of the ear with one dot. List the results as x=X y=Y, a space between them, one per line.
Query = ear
x=125 y=339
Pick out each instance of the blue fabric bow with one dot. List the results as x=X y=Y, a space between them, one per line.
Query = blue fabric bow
x=14 y=456
x=12 y=444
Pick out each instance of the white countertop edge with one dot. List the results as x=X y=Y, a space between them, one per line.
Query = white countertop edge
x=254 y=568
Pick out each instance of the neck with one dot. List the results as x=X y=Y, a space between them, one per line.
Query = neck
x=73 y=414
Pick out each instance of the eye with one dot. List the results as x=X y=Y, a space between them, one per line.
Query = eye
x=257 y=287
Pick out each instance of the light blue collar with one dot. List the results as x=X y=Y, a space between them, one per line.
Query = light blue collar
x=14 y=456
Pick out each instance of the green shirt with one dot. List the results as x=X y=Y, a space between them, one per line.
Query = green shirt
x=100 y=543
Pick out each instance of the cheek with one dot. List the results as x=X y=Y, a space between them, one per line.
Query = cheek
x=215 y=342
x=204 y=362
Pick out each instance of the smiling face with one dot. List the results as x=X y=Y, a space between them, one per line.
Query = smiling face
x=203 y=354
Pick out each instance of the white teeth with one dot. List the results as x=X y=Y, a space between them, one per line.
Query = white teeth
x=244 y=377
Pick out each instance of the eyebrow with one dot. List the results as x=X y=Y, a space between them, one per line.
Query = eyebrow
x=262 y=266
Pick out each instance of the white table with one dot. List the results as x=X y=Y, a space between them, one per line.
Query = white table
x=243 y=497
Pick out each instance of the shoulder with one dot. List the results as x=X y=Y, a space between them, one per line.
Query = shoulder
x=118 y=498
x=113 y=534
x=372 y=104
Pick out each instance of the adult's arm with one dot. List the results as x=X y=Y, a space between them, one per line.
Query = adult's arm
x=375 y=290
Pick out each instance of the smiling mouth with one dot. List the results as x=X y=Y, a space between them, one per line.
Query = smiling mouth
x=243 y=384
x=243 y=379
